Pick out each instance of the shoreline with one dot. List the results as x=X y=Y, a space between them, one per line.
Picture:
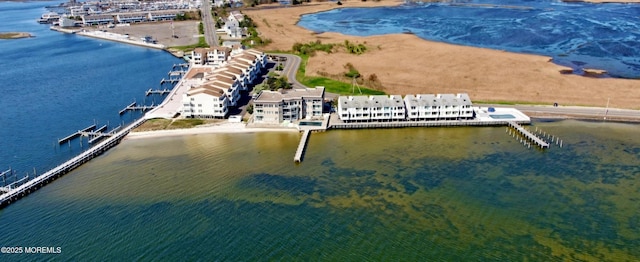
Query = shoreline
x=485 y=74
x=223 y=128
x=241 y=128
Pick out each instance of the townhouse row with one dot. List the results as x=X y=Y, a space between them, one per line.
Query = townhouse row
x=422 y=107
x=213 y=89
x=125 y=18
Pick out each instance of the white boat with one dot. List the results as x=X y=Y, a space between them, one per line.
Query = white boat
x=49 y=18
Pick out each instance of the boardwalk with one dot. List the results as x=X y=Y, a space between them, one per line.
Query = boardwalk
x=301 y=147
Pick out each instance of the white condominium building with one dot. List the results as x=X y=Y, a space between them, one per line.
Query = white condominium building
x=371 y=108
x=421 y=107
x=438 y=107
x=212 y=56
x=205 y=101
x=274 y=107
x=214 y=89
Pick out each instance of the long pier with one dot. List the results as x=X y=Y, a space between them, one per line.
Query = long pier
x=30 y=186
x=76 y=134
x=535 y=139
x=301 y=147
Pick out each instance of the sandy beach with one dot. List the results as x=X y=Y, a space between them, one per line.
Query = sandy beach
x=226 y=128
x=406 y=64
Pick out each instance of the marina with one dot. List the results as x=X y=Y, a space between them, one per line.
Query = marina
x=27 y=186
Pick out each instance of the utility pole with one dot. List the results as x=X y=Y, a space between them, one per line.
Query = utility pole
x=606 y=111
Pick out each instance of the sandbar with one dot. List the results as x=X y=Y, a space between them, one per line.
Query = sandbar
x=14 y=35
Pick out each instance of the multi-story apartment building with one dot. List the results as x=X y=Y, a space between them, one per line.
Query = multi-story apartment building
x=274 y=107
x=214 y=89
x=212 y=56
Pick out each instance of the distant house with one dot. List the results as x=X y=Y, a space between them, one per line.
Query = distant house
x=164 y=15
x=232 y=25
x=125 y=18
x=274 y=107
x=89 y=20
x=212 y=56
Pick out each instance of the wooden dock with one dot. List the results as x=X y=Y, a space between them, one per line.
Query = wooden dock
x=160 y=92
x=172 y=81
x=133 y=106
x=15 y=193
x=126 y=108
x=528 y=135
x=301 y=147
x=76 y=134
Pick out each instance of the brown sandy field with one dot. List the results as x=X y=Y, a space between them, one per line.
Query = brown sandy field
x=406 y=64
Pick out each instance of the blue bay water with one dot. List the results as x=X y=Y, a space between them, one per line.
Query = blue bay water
x=443 y=194
x=55 y=84
x=578 y=35
x=412 y=194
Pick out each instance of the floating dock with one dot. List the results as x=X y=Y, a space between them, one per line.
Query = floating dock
x=126 y=108
x=160 y=92
x=301 y=147
x=172 y=81
x=528 y=135
x=133 y=106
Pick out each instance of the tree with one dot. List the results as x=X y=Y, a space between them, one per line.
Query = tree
x=275 y=83
x=352 y=73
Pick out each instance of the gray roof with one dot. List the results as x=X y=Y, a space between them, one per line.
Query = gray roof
x=290 y=94
x=370 y=101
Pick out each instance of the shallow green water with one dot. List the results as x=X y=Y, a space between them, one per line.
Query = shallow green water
x=387 y=194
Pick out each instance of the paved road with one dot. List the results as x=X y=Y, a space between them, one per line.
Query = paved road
x=209 y=25
x=290 y=68
x=579 y=112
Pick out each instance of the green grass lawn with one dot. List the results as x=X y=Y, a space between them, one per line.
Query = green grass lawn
x=187 y=48
x=330 y=85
